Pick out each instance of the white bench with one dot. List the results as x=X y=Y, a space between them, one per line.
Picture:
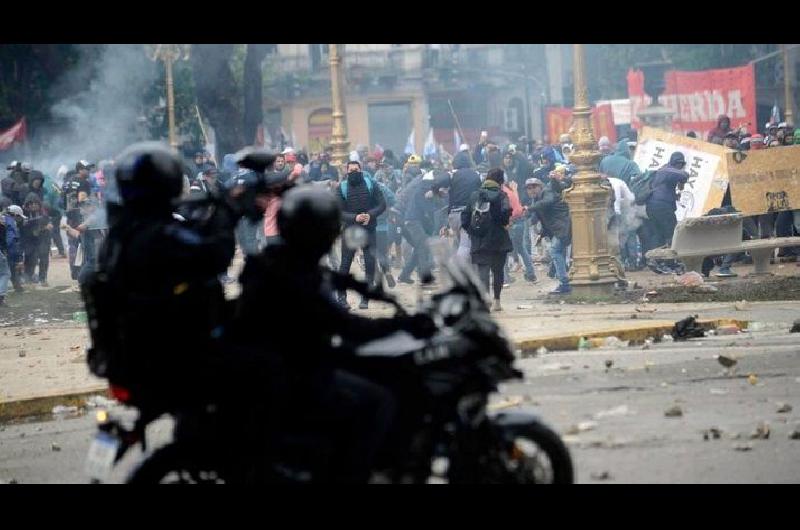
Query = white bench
x=700 y=237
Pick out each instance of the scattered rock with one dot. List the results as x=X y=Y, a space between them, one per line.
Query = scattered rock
x=652 y=293
x=582 y=427
x=752 y=379
x=690 y=279
x=727 y=362
x=795 y=327
x=601 y=475
x=741 y=305
x=55 y=447
x=674 y=411
x=21 y=353
x=524 y=306
x=61 y=409
x=609 y=363
x=541 y=350
x=783 y=408
x=712 y=433
x=794 y=435
x=743 y=447
x=761 y=432
x=621 y=410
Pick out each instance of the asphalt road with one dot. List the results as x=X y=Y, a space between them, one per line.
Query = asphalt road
x=613 y=419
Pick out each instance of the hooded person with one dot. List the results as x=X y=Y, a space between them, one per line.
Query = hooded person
x=464 y=182
x=661 y=205
x=35 y=237
x=547 y=163
x=717 y=134
x=463 y=158
x=619 y=164
x=485 y=219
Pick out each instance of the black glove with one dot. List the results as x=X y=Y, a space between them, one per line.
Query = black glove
x=420 y=325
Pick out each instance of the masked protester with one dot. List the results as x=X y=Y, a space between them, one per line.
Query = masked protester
x=35 y=238
x=12 y=218
x=361 y=202
x=661 y=205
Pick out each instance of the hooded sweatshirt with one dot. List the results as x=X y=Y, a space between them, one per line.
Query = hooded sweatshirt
x=464 y=183
x=619 y=164
x=497 y=238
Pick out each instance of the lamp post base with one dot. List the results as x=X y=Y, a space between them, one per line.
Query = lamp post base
x=592 y=289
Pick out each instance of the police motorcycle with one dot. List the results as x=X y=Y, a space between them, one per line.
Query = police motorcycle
x=444 y=430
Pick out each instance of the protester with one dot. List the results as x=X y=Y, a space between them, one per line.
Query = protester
x=661 y=204
x=464 y=182
x=717 y=134
x=553 y=213
x=35 y=235
x=485 y=219
x=620 y=164
x=418 y=208
x=13 y=218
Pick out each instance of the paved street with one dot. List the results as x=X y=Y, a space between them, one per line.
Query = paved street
x=628 y=435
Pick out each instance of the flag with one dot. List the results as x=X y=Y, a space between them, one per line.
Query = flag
x=430 y=145
x=410 y=144
x=16 y=133
x=456 y=140
x=776 y=114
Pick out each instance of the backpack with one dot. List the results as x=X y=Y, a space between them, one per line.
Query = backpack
x=642 y=187
x=480 y=221
x=343 y=187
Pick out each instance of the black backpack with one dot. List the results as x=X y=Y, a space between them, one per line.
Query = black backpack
x=481 y=219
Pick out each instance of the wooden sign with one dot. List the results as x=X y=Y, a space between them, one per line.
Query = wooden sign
x=765 y=181
x=705 y=162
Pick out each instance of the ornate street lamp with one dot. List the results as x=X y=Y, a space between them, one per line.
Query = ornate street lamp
x=655 y=115
x=169 y=53
x=787 y=92
x=339 y=140
x=593 y=270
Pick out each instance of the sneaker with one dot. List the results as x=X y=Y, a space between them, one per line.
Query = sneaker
x=409 y=281
x=390 y=280
x=364 y=304
x=44 y=283
x=725 y=272
x=497 y=306
x=562 y=289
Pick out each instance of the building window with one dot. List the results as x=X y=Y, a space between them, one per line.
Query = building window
x=389 y=125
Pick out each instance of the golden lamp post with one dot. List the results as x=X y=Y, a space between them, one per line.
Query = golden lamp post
x=593 y=270
x=787 y=92
x=339 y=140
x=169 y=53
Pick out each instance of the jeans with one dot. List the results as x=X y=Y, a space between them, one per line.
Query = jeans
x=5 y=274
x=495 y=266
x=421 y=257
x=73 y=253
x=38 y=253
x=518 y=240
x=558 y=251
x=247 y=235
x=369 y=260
x=382 y=249
x=55 y=220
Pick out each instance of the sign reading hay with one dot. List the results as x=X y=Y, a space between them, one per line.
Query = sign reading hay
x=705 y=163
x=765 y=181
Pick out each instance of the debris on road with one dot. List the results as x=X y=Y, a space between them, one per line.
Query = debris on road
x=741 y=305
x=621 y=410
x=99 y=402
x=541 y=350
x=783 y=408
x=743 y=447
x=648 y=343
x=582 y=427
x=602 y=475
x=794 y=435
x=795 y=327
x=727 y=362
x=690 y=279
x=524 y=306
x=61 y=409
x=761 y=432
x=21 y=353
x=645 y=309
x=712 y=433
x=55 y=447
x=687 y=329
x=609 y=363
x=674 y=411
x=752 y=379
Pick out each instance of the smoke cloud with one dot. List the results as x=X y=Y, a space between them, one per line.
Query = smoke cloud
x=99 y=116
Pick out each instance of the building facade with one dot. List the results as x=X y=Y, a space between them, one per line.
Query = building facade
x=394 y=89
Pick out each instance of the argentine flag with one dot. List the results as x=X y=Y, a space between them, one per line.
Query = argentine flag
x=430 y=145
x=410 y=144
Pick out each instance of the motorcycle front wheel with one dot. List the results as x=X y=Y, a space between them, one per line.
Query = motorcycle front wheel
x=169 y=465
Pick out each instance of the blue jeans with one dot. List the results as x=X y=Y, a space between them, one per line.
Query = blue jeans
x=558 y=251
x=518 y=240
x=5 y=274
x=247 y=235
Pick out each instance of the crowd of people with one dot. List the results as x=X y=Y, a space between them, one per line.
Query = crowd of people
x=501 y=206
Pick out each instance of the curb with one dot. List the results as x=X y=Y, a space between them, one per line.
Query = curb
x=43 y=405
x=638 y=332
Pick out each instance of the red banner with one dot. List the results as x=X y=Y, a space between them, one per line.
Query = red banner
x=14 y=134
x=699 y=98
x=559 y=120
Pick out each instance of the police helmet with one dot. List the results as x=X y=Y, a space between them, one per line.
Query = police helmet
x=309 y=221
x=148 y=174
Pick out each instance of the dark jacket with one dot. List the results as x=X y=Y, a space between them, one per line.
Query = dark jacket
x=361 y=200
x=418 y=207
x=553 y=213
x=620 y=165
x=519 y=172
x=497 y=239
x=464 y=182
x=664 y=186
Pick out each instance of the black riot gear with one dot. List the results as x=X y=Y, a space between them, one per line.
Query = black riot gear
x=149 y=175
x=309 y=221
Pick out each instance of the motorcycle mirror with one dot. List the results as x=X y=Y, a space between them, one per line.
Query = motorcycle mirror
x=355 y=237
